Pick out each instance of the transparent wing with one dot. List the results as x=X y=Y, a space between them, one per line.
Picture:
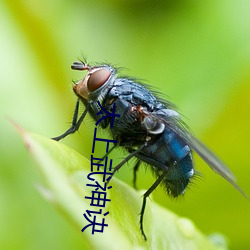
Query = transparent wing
x=208 y=156
x=175 y=124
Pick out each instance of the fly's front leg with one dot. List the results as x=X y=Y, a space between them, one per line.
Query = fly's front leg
x=75 y=123
x=145 y=196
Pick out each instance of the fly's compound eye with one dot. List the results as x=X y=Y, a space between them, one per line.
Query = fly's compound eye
x=97 y=79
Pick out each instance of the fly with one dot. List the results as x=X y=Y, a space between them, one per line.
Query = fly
x=149 y=128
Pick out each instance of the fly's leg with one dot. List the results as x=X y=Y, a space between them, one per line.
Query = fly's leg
x=136 y=167
x=127 y=158
x=145 y=196
x=75 y=124
x=114 y=146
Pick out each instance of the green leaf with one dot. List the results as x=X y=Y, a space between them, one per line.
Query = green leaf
x=65 y=172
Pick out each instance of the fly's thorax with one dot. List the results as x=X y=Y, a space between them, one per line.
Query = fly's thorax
x=94 y=85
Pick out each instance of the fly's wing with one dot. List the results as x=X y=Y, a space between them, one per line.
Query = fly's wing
x=175 y=124
x=212 y=160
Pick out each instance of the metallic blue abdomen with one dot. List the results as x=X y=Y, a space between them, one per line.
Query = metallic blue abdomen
x=172 y=155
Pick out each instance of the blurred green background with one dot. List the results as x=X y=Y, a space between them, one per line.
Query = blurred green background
x=195 y=52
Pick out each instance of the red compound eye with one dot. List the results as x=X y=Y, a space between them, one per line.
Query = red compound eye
x=97 y=79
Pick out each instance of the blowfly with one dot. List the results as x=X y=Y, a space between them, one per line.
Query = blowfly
x=149 y=128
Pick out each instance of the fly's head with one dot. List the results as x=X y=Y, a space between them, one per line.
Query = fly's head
x=96 y=79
